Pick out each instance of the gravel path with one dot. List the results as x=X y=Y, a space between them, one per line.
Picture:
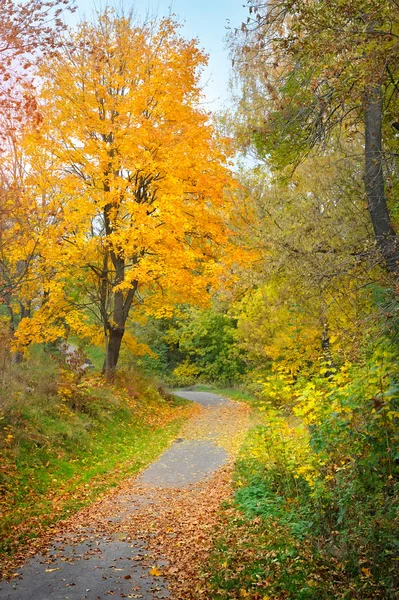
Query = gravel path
x=108 y=549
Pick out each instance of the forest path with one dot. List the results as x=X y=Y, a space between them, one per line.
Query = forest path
x=147 y=538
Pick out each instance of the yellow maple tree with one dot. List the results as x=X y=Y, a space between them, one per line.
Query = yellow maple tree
x=139 y=175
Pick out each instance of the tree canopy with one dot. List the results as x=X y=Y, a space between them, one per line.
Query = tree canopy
x=136 y=177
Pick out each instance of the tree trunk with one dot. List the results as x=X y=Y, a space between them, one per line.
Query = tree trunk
x=384 y=233
x=326 y=348
x=116 y=328
x=17 y=357
x=114 y=341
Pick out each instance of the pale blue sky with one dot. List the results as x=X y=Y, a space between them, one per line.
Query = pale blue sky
x=205 y=19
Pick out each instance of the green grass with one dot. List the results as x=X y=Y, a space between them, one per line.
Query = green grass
x=60 y=451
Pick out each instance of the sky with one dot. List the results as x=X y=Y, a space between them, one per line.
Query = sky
x=206 y=20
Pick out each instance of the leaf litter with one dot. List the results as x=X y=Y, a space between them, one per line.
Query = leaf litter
x=175 y=526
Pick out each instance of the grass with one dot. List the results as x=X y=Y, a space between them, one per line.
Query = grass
x=66 y=440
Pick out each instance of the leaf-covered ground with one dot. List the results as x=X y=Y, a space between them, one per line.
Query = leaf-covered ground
x=173 y=526
x=56 y=459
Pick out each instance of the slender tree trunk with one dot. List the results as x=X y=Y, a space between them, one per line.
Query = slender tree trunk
x=18 y=356
x=384 y=233
x=116 y=328
x=326 y=348
x=121 y=301
x=114 y=341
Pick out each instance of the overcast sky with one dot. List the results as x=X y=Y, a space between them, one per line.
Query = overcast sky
x=205 y=19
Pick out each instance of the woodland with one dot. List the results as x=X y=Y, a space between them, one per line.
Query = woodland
x=253 y=251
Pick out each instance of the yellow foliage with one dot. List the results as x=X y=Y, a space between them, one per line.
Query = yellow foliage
x=286 y=446
x=134 y=179
x=186 y=372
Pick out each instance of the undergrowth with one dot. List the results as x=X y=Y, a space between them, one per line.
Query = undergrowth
x=315 y=511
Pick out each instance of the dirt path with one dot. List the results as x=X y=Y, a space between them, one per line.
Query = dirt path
x=148 y=538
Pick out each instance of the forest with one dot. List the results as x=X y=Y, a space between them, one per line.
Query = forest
x=148 y=244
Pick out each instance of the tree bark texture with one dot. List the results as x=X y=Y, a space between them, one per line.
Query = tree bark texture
x=384 y=233
x=121 y=303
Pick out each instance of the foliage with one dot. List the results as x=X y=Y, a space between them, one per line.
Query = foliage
x=317 y=495
x=305 y=68
x=314 y=74
x=27 y=30
x=133 y=178
x=122 y=227
x=195 y=345
x=206 y=342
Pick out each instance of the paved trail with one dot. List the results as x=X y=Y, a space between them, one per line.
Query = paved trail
x=135 y=542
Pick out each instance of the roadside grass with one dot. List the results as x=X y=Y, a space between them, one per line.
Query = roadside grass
x=66 y=439
x=281 y=536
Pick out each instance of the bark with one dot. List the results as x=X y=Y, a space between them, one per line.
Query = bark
x=384 y=233
x=18 y=356
x=116 y=328
x=326 y=348
x=121 y=303
x=114 y=341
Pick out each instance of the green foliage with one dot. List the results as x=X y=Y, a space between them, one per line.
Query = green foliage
x=301 y=82
x=162 y=357
x=195 y=345
x=206 y=341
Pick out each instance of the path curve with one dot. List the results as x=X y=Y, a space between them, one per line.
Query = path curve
x=117 y=546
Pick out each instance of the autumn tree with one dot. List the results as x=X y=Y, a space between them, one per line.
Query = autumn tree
x=312 y=69
x=140 y=177
x=28 y=30
x=28 y=214
x=305 y=297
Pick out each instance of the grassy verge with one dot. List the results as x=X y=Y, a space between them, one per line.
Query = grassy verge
x=283 y=537
x=64 y=440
